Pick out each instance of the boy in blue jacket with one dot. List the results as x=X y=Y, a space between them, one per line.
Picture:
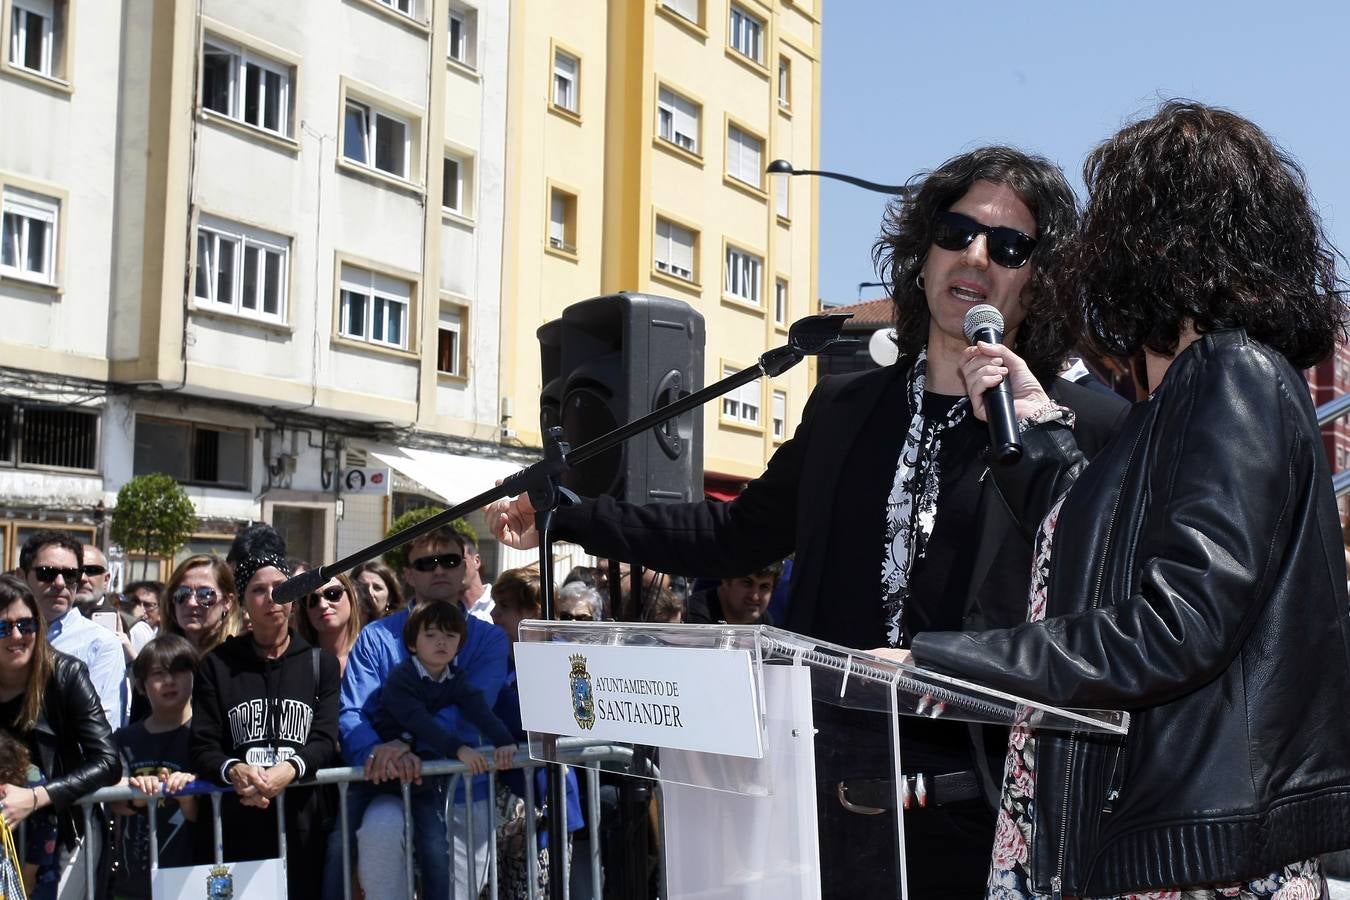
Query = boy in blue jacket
x=426 y=682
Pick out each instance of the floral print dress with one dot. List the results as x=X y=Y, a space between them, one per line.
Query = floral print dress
x=1010 y=867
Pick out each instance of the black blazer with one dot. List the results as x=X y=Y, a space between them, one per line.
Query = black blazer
x=779 y=513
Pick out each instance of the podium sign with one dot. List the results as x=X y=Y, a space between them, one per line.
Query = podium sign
x=683 y=698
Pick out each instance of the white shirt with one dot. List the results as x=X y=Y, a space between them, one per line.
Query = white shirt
x=482 y=607
x=422 y=670
x=100 y=650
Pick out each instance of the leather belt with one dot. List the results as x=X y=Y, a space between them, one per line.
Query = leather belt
x=874 y=796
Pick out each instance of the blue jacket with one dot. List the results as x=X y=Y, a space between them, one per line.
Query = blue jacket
x=379 y=648
x=411 y=701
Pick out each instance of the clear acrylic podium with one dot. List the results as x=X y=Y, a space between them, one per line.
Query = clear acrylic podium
x=724 y=717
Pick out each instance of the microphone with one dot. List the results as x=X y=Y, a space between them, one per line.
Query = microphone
x=985 y=323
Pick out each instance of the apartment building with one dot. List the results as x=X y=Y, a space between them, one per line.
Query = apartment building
x=640 y=132
x=253 y=245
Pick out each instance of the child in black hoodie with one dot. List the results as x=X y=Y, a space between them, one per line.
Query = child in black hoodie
x=265 y=709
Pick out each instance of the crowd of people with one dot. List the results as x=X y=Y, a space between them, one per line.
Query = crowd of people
x=204 y=680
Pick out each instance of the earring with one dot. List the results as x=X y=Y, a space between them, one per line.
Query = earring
x=918 y=280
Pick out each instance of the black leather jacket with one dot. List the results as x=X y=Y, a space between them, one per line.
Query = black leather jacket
x=1196 y=580
x=74 y=742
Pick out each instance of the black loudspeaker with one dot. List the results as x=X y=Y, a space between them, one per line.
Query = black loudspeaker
x=610 y=360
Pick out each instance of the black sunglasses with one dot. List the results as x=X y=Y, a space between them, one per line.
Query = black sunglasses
x=206 y=597
x=92 y=569
x=332 y=595
x=47 y=574
x=1008 y=247
x=444 y=561
x=25 y=626
x=577 y=617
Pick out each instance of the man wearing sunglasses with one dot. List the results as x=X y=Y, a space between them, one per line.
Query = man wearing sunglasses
x=882 y=497
x=435 y=574
x=53 y=564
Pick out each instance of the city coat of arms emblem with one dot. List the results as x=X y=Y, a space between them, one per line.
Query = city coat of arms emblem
x=583 y=700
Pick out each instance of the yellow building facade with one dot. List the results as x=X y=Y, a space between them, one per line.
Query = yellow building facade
x=638 y=132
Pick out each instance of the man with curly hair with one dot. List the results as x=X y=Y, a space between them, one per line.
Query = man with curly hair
x=881 y=494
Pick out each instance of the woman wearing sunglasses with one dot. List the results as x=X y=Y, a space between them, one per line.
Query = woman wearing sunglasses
x=331 y=618
x=265 y=707
x=1200 y=583
x=48 y=703
x=882 y=496
x=201 y=603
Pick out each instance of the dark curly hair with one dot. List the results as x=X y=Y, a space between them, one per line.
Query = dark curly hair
x=901 y=250
x=1195 y=216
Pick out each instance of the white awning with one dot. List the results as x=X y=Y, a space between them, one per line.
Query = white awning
x=451 y=476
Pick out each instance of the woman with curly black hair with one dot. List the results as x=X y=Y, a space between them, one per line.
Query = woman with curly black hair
x=1204 y=588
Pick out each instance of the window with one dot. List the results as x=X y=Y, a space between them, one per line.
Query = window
x=779 y=415
x=780 y=301
x=780 y=196
x=191 y=453
x=245 y=87
x=747 y=34
x=742 y=404
x=674 y=251
x=562 y=220
x=565 y=68
x=374 y=308
x=784 y=82
x=677 y=120
x=463 y=47
x=37 y=36
x=743 y=154
x=743 y=275
x=376 y=140
x=687 y=9
x=28 y=236
x=241 y=270
x=450 y=342
x=407 y=7
x=452 y=184
x=52 y=437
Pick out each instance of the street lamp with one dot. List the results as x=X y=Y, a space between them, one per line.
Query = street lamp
x=783 y=167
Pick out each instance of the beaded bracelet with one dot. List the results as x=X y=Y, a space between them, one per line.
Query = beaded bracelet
x=1049 y=411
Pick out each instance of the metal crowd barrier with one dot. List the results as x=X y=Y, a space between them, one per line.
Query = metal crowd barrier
x=581 y=754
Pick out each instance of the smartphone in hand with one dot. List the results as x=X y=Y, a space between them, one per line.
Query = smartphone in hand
x=107 y=619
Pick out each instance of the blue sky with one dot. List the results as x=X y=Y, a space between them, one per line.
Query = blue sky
x=905 y=85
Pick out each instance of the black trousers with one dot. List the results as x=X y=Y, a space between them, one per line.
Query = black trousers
x=947 y=847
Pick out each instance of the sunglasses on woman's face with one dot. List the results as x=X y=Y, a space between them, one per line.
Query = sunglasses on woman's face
x=332 y=595
x=206 y=597
x=575 y=617
x=444 y=561
x=1008 y=247
x=25 y=626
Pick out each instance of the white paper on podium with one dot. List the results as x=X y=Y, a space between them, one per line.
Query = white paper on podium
x=683 y=698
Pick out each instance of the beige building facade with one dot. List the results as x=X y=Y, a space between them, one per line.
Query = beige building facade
x=254 y=245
